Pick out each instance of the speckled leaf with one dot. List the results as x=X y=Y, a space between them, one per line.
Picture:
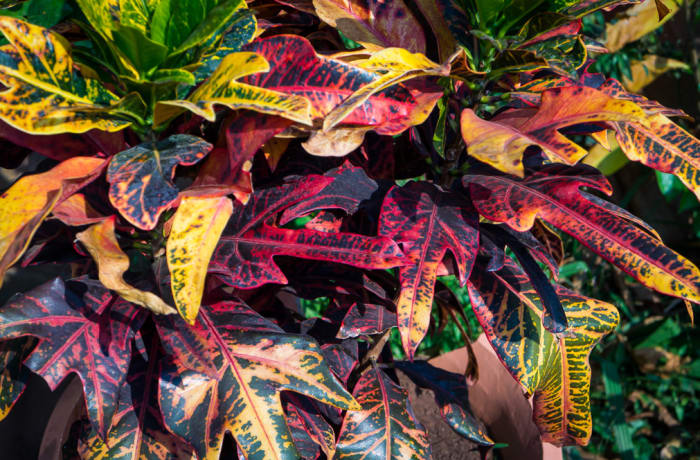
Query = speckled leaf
x=82 y=329
x=309 y=420
x=502 y=141
x=366 y=319
x=451 y=395
x=295 y=68
x=349 y=189
x=196 y=228
x=13 y=375
x=140 y=178
x=25 y=205
x=138 y=432
x=223 y=88
x=386 y=427
x=428 y=222
x=101 y=241
x=375 y=24
x=664 y=146
x=244 y=256
x=253 y=361
x=45 y=94
x=552 y=195
x=554 y=369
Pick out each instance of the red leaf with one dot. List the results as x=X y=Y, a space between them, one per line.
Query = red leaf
x=295 y=68
x=366 y=319
x=83 y=329
x=428 y=222
x=244 y=256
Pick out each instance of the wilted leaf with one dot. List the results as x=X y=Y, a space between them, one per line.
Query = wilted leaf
x=137 y=431
x=373 y=23
x=112 y=263
x=29 y=200
x=45 y=94
x=552 y=195
x=196 y=228
x=295 y=68
x=554 y=369
x=82 y=329
x=253 y=361
x=428 y=222
x=222 y=88
x=244 y=256
x=386 y=427
x=502 y=141
x=140 y=178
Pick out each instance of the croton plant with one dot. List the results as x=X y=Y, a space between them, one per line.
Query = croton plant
x=206 y=167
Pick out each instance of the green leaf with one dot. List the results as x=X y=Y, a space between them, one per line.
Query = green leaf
x=214 y=20
x=142 y=52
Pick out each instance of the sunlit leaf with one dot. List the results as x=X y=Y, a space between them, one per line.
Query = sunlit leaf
x=196 y=228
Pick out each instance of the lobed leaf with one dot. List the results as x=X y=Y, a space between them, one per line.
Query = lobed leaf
x=428 y=222
x=112 y=263
x=81 y=329
x=253 y=360
x=196 y=228
x=140 y=177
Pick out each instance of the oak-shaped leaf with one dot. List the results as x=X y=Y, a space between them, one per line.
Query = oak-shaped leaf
x=553 y=368
x=451 y=396
x=82 y=328
x=296 y=69
x=244 y=256
x=137 y=431
x=140 y=178
x=386 y=427
x=552 y=194
x=428 y=222
x=45 y=93
x=25 y=205
x=252 y=361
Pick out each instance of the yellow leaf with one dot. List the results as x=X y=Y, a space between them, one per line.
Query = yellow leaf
x=638 y=21
x=395 y=65
x=112 y=263
x=196 y=228
x=644 y=72
x=221 y=88
x=45 y=94
x=337 y=142
x=25 y=205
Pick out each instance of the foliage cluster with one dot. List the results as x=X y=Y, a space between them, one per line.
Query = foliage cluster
x=211 y=165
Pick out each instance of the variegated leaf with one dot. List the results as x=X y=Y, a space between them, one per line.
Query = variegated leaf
x=427 y=222
x=252 y=360
x=82 y=329
x=552 y=194
x=13 y=374
x=140 y=178
x=196 y=228
x=45 y=94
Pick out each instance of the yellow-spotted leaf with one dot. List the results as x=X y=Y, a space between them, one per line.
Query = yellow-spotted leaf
x=45 y=93
x=553 y=194
x=252 y=361
x=195 y=231
x=501 y=141
x=394 y=65
x=101 y=241
x=553 y=368
x=664 y=146
x=221 y=88
x=25 y=205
